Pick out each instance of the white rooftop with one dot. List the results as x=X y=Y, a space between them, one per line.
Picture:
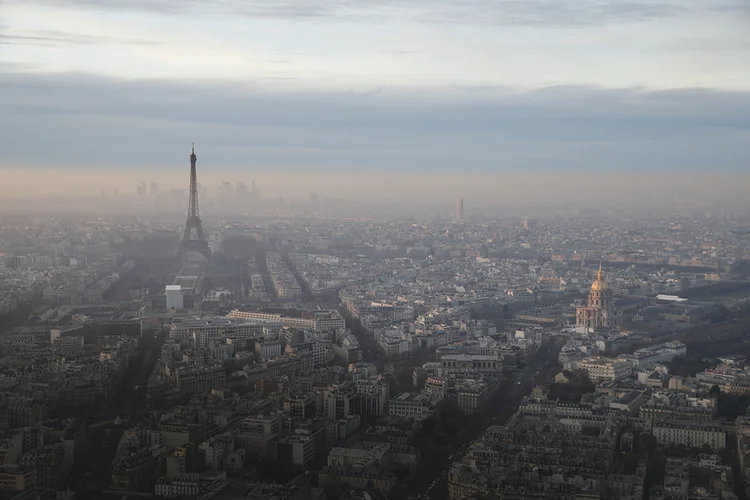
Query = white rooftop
x=671 y=298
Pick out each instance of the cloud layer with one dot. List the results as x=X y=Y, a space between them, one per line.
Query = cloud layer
x=384 y=85
x=82 y=120
x=335 y=43
x=497 y=12
x=53 y=38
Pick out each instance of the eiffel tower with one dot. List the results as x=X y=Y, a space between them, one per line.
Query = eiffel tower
x=188 y=245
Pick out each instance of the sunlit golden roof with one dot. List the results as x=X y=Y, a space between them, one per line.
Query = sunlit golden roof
x=599 y=285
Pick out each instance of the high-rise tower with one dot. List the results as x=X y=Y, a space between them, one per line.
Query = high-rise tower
x=458 y=216
x=193 y=223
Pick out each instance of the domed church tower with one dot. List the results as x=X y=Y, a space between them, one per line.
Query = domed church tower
x=599 y=313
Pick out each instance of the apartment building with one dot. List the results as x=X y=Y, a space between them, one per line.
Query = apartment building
x=411 y=406
x=691 y=434
x=604 y=369
x=19 y=481
x=220 y=327
x=323 y=321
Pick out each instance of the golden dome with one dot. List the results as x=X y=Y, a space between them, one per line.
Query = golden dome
x=599 y=285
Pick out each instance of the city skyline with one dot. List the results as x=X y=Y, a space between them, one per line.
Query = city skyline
x=626 y=189
x=502 y=86
x=372 y=250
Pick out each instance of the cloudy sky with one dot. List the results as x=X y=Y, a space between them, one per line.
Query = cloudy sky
x=367 y=85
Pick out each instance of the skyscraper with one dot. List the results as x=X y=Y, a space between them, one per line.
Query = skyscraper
x=458 y=217
x=225 y=190
x=241 y=194
x=255 y=193
x=203 y=192
x=141 y=190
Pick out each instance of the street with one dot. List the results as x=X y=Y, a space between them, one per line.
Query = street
x=92 y=470
x=432 y=483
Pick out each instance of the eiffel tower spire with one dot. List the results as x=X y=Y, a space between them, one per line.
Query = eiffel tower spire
x=193 y=222
x=193 y=203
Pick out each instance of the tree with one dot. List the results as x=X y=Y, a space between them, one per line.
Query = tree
x=677 y=450
x=715 y=391
x=647 y=441
x=721 y=314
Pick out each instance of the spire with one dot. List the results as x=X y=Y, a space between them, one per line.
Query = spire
x=193 y=148
x=600 y=274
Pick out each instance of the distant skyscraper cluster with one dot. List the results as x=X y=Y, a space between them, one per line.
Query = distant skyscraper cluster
x=226 y=196
x=238 y=196
x=458 y=216
x=146 y=191
x=243 y=195
x=225 y=193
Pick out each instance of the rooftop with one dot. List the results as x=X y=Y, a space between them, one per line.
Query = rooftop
x=411 y=396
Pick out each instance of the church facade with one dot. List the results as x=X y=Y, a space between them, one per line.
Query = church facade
x=599 y=313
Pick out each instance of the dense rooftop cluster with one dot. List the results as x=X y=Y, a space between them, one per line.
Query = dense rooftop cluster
x=395 y=359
